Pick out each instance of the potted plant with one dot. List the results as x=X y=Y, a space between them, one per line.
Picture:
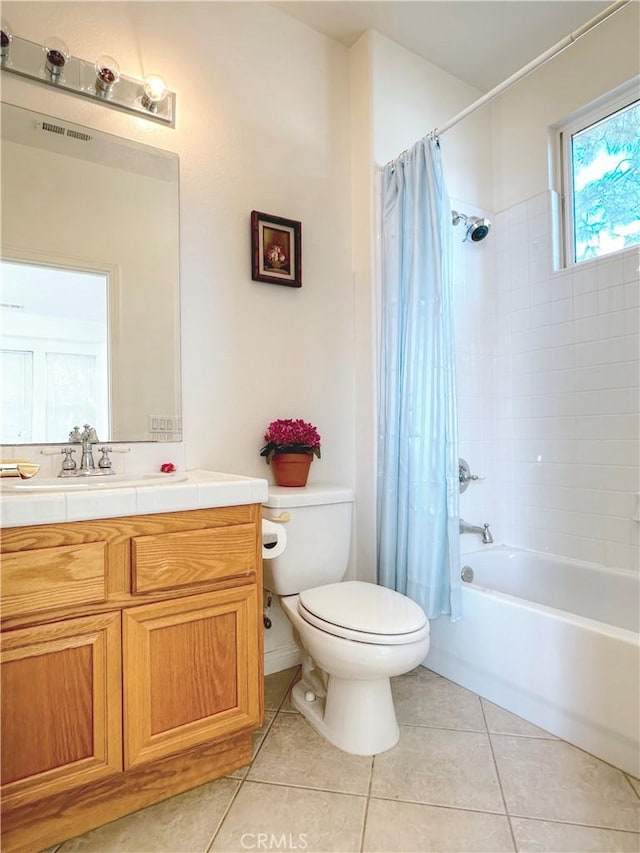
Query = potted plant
x=290 y=447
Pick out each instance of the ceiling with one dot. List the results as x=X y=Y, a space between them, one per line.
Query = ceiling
x=479 y=41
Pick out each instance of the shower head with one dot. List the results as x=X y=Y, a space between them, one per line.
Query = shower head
x=477 y=228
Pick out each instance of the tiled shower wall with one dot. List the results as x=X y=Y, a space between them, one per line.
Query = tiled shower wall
x=479 y=340
x=548 y=375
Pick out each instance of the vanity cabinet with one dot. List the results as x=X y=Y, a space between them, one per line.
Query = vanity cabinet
x=131 y=665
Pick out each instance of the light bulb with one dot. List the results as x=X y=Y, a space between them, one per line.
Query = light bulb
x=57 y=54
x=155 y=91
x=6 y=38
x=107 y=73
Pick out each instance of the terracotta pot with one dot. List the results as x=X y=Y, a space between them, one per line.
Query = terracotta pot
x=291 y=469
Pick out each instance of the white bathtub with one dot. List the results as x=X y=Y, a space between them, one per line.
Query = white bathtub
x=555 y=641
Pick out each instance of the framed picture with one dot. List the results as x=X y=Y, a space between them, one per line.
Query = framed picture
x=276 y=249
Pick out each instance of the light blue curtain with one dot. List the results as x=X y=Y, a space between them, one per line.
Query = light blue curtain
x=418 y=496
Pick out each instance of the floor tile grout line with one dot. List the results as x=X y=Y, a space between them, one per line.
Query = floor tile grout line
x=557 y=739
x=363 y=795
x=498 y=777
x=300 y=787
x=224 y=816
x=260 y=745
x=559 y=822
x=442 y=728
x=488 y=731
x=434 y=805
x=243 y=779
x=633 y=787
x=277 y=710
x=366 y=805
x=264 y=737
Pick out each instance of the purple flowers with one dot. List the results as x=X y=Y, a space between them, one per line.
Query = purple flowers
x=291 y=436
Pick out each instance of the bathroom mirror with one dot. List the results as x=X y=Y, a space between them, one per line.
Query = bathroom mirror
x=89 y=309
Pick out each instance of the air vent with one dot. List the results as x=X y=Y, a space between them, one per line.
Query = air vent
x=77 y=134
x=65 y=131
x=52 y=128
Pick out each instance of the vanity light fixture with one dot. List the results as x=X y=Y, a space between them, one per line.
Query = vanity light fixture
x=107 y=75
x=100 y=81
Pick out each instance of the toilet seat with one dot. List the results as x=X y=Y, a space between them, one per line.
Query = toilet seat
x=364 y=613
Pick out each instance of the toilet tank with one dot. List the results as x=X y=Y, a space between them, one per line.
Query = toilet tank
x=318 y=531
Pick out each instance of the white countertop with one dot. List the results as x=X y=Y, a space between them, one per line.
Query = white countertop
x=198 y=490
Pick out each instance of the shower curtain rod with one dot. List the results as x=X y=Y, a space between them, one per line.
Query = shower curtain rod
x=552 y=52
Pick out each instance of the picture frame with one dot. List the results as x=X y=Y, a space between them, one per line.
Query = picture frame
x=276 y=249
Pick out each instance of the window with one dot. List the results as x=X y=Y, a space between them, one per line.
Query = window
x=601 y=177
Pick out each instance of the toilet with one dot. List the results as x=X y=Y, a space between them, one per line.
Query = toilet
x=354 y=636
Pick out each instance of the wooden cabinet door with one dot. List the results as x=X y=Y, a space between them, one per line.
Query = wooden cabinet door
x=61 y=706
x=192 y=672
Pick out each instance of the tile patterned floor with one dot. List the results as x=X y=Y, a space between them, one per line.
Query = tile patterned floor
x=465 y=776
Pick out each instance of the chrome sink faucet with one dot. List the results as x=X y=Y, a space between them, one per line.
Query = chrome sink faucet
x=86 y=438
x=87 y=468
x=465 y=527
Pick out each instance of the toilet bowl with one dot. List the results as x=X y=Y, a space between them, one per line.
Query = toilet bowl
x=354 y=636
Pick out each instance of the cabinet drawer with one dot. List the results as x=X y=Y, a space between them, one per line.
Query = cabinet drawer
x=174 y=560
x=49 y=578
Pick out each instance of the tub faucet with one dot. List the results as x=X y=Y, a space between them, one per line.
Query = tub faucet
x=465 y=527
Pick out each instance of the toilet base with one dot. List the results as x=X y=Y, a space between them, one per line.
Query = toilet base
x=356 y=716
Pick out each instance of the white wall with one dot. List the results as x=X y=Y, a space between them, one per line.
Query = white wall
x=412 y=97
x=363 y=224
x=262 y=123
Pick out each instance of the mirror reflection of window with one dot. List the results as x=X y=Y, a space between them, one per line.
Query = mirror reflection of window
x=55 y=352
x=16 y=378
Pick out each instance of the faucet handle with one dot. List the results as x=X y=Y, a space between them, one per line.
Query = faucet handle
x=75 y=436
x=90 y=434
x=57 y=451
x=104 y=462
x=68 y=463
x=465 y=476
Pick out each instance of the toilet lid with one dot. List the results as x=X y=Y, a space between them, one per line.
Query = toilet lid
x=363 y=611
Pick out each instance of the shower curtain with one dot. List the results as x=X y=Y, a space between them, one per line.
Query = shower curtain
x=418 y=490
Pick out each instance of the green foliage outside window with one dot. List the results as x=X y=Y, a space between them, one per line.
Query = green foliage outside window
x=606 y=184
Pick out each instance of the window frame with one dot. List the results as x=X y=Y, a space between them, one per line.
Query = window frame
x=600 y=110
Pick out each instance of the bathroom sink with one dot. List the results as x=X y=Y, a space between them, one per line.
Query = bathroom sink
x=91 y=483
